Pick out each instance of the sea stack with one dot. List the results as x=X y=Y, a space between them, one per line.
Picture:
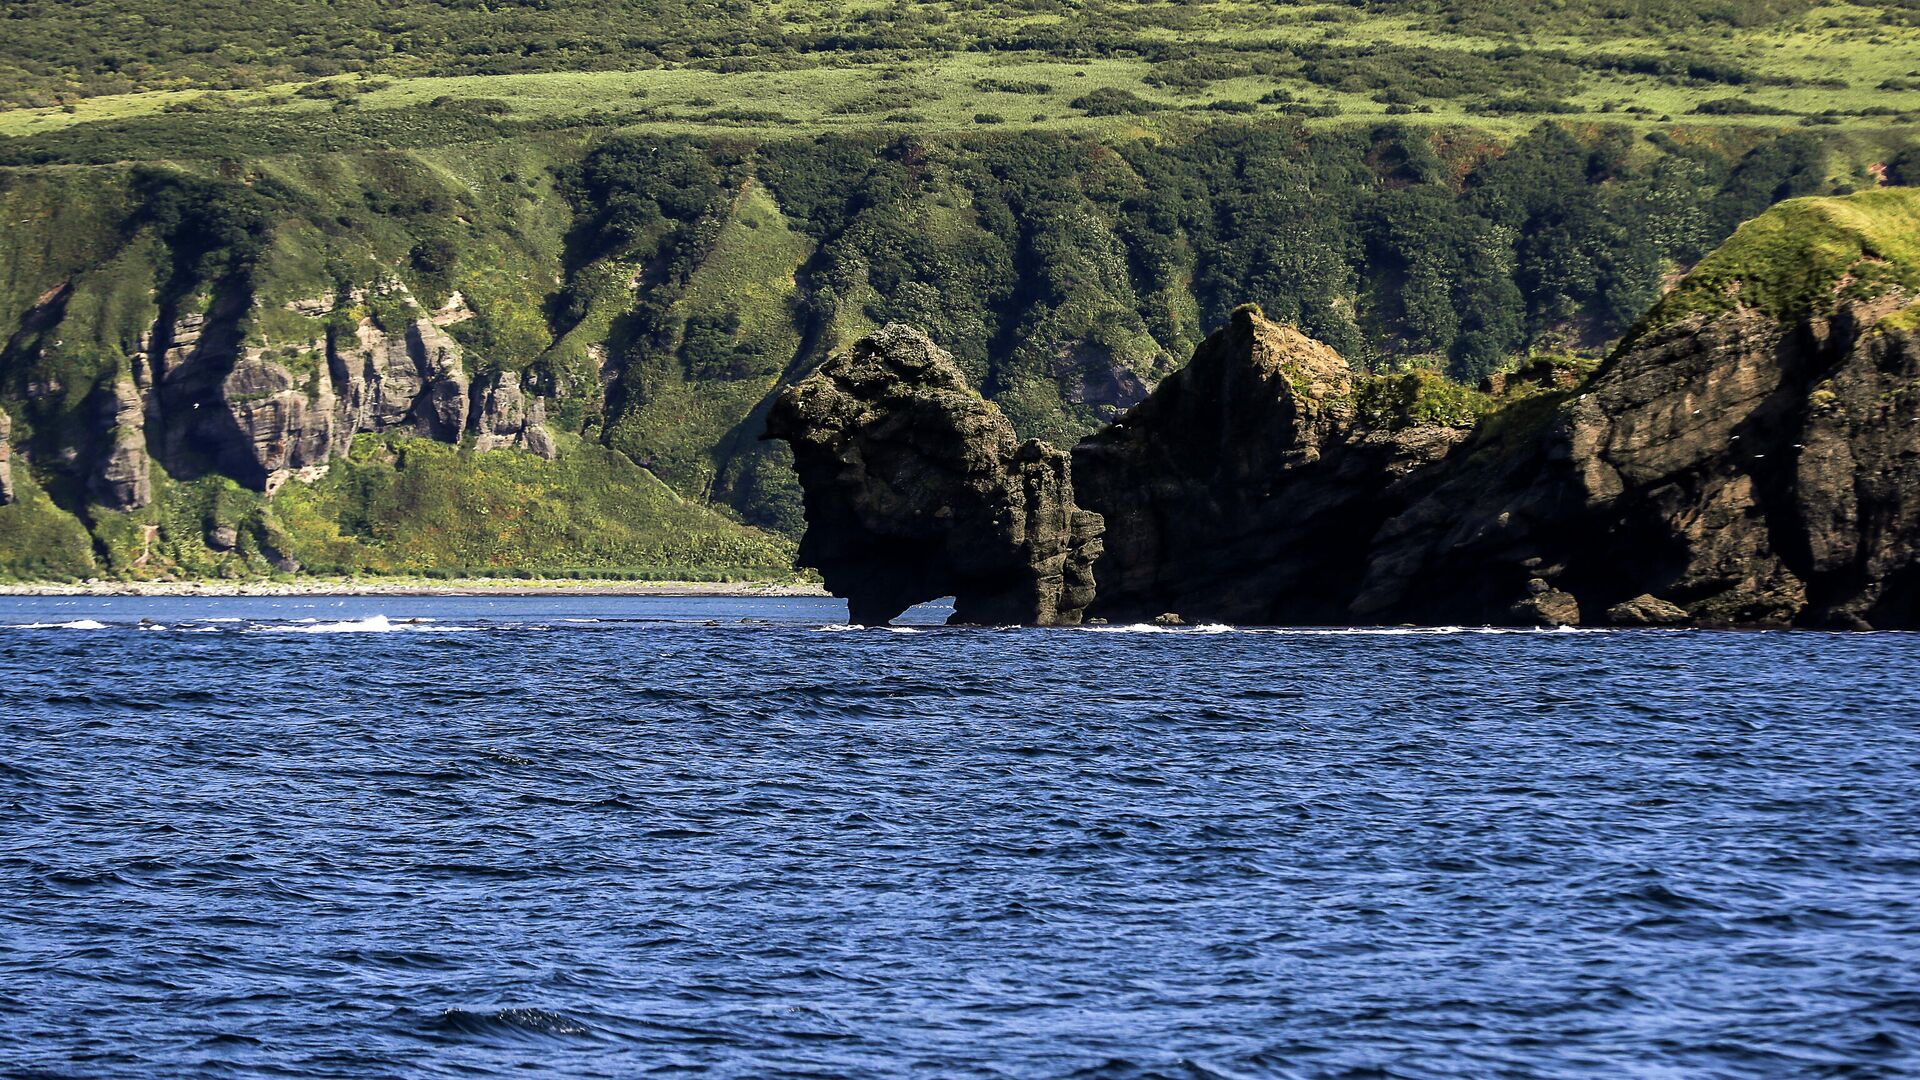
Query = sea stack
x=1748 y=456
x=916 y=488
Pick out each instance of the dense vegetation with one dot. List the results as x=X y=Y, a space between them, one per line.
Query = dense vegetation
x=148 y=79
x=657 y=212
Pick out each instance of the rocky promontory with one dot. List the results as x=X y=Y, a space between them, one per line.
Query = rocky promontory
x=916 y=488
x=1749 y=456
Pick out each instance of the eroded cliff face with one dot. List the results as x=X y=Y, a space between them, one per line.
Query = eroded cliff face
x=1246 y=487
x=917 y=488
x=6 y=458
x=200 y=399
x=505 y=416
x=1728 y=469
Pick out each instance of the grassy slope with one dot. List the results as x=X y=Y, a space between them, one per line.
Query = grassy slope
x=398 y=506
x=414 y=505
x=748 y=278
x=859 y=64
x=1791 y=260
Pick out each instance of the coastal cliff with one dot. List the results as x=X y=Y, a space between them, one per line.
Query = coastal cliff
x=1749 y=456
x=321 y=348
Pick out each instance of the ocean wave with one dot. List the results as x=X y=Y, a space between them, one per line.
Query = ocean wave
x=372 y=624
x=76 y=624
x=520 y=1023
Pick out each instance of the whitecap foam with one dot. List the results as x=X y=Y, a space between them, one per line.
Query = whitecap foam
x=373 y=624
x=77 y=624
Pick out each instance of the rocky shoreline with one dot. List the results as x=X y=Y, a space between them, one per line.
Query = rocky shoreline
x=416 y=587
x=1748 y=457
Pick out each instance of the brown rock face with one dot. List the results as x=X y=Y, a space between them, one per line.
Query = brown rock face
x=917 y=488
x=412 y=378
x=1645 y=610
x=1742 y=471
x=1244 y=489
x=6 y=458
x=503 y=416
x=261 y=416
x=121 y=479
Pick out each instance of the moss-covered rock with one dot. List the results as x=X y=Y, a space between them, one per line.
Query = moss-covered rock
x=1803 y=257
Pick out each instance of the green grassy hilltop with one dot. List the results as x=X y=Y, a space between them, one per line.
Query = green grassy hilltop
x=961 y=62
x=653 y=215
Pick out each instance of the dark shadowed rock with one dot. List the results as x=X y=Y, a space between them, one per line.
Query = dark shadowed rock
x=917 y=488
x=1246 y=486
x=1743 y=470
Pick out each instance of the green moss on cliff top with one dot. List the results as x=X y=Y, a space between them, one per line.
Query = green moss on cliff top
x=1801 y=256
x=1417 y=398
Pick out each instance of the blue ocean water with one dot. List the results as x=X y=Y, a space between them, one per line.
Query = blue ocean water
x=620 y=836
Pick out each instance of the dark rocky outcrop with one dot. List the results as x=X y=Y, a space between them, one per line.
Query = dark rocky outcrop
x=1247 y=486
x=917 y=488
x=1733 y=467
x=1725 y=469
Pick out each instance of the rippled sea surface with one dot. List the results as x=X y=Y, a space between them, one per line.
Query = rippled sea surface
x=620 y=836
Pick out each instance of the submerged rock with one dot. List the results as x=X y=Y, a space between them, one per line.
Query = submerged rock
x=916 y=488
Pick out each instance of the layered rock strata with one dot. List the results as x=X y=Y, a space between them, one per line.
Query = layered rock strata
x=1730 y=469
x=6 y=458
